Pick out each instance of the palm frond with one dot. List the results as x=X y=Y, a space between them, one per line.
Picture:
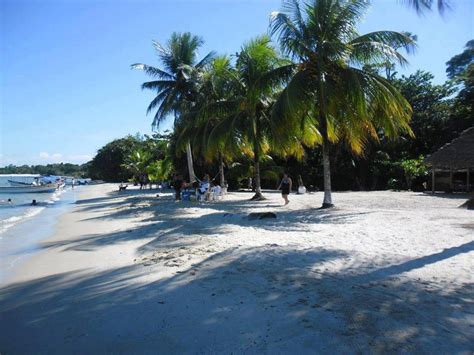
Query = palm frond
x=152 y=71
x=158 y=85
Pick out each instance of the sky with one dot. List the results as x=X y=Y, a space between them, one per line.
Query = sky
x=66 y=87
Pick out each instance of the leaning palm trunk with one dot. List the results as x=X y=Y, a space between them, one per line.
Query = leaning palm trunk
x=221 y=171
x=189 y=155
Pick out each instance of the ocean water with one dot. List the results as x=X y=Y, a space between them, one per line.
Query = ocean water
x=23 y=227
x=20 y=209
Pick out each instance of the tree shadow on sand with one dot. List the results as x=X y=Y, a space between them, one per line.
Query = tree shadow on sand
x=169 y=224
x=240 y=300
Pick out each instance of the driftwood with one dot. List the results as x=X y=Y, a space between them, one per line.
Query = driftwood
x=261 y=215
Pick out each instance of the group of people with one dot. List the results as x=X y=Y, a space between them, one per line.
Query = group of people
x=9 y=202
x=203 y=188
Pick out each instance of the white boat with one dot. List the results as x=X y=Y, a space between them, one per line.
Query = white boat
x=25 y=183
x=28 y=188
x=20 y=183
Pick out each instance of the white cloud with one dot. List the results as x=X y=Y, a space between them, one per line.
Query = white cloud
x=50 y=158
x=78 y=159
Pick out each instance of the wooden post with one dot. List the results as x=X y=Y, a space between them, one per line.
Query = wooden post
x=468 y=188
x=433 y=180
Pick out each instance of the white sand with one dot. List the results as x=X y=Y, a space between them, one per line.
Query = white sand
x=132 y=273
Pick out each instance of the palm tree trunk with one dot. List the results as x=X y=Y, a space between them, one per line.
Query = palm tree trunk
x=258 y=190
x=221 y=170
x=327 y=202
x=189 y=155
x=323 y=123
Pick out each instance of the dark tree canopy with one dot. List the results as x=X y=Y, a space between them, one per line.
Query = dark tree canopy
x=459 y=64
x=60 y=169
x=107 y=164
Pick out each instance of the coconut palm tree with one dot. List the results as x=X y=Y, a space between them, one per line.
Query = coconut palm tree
x=421 y=6
x=175 y=84
x=215 y=84
x=330 y=86
x=245 y=116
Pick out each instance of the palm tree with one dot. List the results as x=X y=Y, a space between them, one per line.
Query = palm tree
x=246 y=114
x=215 y=85
x=330 y=85
x=137 y=161
x=175 y=84
x=421 y=6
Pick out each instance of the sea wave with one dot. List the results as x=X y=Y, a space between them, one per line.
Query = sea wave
x=23 y=211
x=12 y=221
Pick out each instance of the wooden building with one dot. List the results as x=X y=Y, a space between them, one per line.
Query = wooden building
x=452 y=166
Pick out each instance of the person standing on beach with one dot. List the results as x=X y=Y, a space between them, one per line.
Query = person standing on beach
x=285 y=186
x=178 y=184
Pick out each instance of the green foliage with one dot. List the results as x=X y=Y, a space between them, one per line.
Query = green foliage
x=61 y=169
x=175 y=86
x=461 y=70
x=331 y=95
x=108 y=163
x=423 y=6
x=458 y=65
x=414 y=168
x=159 y=170
x=124 y=159
x=137 y=162
x=431 y=109
x=341 y=91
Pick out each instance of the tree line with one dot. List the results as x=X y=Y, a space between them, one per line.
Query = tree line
x=321 y=98
x=59 y=169
x=321 y=101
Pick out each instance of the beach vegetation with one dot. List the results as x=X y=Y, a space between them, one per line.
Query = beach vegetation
x=414 y=168
x=198 y=126
x=330 y=86
x=331 y=98
x=174 y=83
x=424 y=6
x=57 y=169
x=244 y=118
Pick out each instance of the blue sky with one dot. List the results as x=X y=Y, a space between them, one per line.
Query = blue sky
x=66 y=87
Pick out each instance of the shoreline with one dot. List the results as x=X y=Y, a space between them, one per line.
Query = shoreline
x=21 y=241
x=63 y=231
x=134 y=273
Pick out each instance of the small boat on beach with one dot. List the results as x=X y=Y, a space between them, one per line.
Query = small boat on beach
x=20 y=183
x=28 y=188
x=26 y=183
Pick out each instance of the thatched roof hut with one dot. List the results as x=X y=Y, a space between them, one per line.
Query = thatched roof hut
x=458 y=155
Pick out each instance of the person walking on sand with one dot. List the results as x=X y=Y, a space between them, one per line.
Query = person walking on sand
x=285 y=187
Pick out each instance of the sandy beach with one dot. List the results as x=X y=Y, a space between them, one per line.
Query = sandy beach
x=134 y=273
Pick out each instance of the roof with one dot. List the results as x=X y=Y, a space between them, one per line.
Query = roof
x=458 y=154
